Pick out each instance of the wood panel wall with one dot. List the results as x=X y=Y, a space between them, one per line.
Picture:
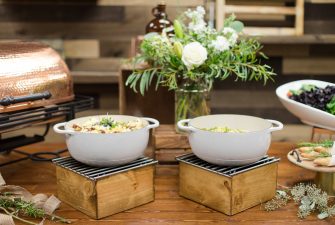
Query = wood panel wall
x=94 y=38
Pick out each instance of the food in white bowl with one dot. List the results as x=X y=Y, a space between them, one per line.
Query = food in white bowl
x=306 y=113
x=107 y=125
x=105 y=148
x=317 y=97
x=229 y=148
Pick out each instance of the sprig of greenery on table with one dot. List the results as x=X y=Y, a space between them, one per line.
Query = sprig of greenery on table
x=309 y=198
x=17 y=207
x=226 y=55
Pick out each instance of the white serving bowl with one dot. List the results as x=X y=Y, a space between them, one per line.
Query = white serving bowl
x=230 y=149
x=107 y=149
x=307 y=114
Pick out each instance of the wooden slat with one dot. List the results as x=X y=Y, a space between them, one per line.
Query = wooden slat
x=320 y=1
x=109 y=2
x=95 y=77
x=269 y=31
x=299 y=17
x=220 y=13
x=150 y=3
x=309 y=66
x=278 y=10
x=169 y=155
x=81 y=48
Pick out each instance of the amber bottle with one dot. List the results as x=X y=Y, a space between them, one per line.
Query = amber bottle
x=160 y=22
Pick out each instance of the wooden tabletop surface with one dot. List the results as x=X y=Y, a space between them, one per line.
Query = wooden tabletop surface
x=169 y=207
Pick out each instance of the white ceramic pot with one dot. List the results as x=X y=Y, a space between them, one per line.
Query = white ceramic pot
x=102 y=150
x=230 y=149
x=307 y=114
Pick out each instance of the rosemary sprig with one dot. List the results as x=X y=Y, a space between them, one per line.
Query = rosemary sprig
x=16 y=207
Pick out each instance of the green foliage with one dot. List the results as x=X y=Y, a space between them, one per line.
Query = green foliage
x=331 y=106
x=309 y=198
x=243 y=59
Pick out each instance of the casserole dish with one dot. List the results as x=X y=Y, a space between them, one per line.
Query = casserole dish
x=32 y=75
x=307 y=114
x=106 y=149
x=230 y=149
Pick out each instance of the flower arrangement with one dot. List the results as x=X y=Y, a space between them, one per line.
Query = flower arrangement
x=198 y=54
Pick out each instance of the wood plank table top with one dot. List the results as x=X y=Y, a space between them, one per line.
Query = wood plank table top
x=169 y=207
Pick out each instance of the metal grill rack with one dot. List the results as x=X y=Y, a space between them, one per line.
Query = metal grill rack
x=37 y=116
x=227 y=171
x=96 y=173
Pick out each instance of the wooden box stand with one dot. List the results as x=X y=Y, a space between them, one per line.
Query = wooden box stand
x=111 y=194
x=168 y=144
x=228 y=194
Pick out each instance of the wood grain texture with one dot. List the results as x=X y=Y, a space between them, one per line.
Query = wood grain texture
x=165 y=137
x=124 y=191
x=106 y=196
x=253 y=187
x=168 y=207
x=77 y=191
x=207 y=188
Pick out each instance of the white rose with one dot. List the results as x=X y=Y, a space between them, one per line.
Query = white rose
x=194 y=55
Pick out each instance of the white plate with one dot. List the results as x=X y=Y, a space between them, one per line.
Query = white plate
x=307 y=114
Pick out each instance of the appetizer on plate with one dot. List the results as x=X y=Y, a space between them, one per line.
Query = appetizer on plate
x=322 y=153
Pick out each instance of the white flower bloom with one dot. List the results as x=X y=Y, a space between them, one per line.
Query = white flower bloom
x=201 y=10
x=220 y=44
x=194 y=55
x=231 y=34
x=198 y=27
x=197 y=24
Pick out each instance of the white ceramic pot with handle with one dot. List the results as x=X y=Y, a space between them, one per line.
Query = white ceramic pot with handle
x=106 y=149
x=229 y=149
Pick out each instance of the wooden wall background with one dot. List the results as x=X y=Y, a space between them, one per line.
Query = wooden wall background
x=94 y=38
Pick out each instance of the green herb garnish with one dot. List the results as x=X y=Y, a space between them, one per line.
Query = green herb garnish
x=108 y=122
x=325 y=143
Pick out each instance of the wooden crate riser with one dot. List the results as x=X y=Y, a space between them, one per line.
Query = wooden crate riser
x=229 y=195
x=169 y=155
x=169 y=144
x=107 y=196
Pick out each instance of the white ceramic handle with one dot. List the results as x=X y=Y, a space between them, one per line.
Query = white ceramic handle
x=62 y=131
x=181 y=125
x=154 y=121
x=278 y=127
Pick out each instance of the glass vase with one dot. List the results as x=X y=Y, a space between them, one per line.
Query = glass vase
x=191 y=100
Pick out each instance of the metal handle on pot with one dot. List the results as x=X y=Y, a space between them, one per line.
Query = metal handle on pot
x=155 y=123
x=278 y=127
x=62 y=131
x=187 y=128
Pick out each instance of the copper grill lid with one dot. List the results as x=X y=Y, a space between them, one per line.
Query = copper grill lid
x=32 y=74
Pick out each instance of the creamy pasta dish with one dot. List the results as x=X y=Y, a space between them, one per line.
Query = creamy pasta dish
x=108 y=125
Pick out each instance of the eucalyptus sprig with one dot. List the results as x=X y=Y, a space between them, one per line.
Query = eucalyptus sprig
x=309 y=198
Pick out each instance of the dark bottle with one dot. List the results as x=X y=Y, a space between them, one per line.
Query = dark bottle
x=160 y=22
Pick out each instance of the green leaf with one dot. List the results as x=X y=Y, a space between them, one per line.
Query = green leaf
x=178 y=29
x=238 y=26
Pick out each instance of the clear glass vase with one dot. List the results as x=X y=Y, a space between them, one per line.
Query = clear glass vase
x=191 y=100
